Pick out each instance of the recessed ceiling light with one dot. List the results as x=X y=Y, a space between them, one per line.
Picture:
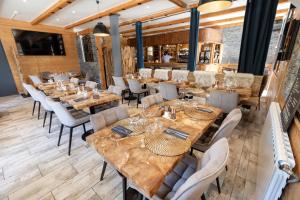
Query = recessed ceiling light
x=73 y=11
x=147 y=7
x=57 y=19
x=24 y=1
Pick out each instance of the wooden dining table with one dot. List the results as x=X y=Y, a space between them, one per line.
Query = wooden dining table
x=144 y=169
x=79 y=102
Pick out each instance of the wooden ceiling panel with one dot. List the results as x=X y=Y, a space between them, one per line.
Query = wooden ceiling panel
x=50 y=11
x=179 y=3
x=115 y=9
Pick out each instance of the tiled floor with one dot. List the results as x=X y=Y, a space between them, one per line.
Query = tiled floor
x=33 y=167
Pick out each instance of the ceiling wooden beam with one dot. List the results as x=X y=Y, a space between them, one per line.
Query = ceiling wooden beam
x=50 y=11
x=115 y=9
x=185 y=20
x=179 y=3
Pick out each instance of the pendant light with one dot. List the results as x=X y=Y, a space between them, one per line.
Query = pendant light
x=100 y=29
x=207 y=6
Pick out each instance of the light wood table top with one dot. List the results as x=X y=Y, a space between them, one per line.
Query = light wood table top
x=50 y=86
x=243 y=92
x=144 y=169
x=90 y=101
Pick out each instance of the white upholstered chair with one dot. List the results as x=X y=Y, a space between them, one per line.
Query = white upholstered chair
x=115 y=89
x=243 y=80
x=68 y=118
x=145 y=72
x=191 y=177
x=91 y=84
x=60 y=77
x=74 y=80
x=161 y=74
x=205 y=78
x=136 y=89
x=47 y=108
x=168 y=91
x=180 y=75
x=106 y=118
x=33 y=93
x=119 y=81
x=224 y=131
x=151 y=100
x=227 y=101
x=35 y=79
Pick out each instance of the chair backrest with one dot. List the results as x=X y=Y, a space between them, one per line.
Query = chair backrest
x=115 y=89
x=227 y=101
x=74 y=80
x=32 y=91
x=242 y=80
x=108 y=117
x=151 y=100
x=205 y=78
x=35 y=79
x=212 y=68
x=145 y=72
x=210 y=167
x=64 y=116
x=227 y=126
x=91 y=84
x=119 y=81
x=180 y=75
x=134 y=85
x=60 y=77
x=168 y=91
x=42 y=98
x=162 y=74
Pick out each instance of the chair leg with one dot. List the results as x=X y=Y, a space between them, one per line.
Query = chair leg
x=39 y=110
x=103 y=170
x=129 y=98
x=34 y=103
x=191 y=152
x=203 y=197
x=70 y=140
x=60 y=133
x=50 y=123
x=84 y=128
x=226 y=168
x=123 y=94
x=124 y=183
x=45 y=117
x=218 y=185
x=137 y=101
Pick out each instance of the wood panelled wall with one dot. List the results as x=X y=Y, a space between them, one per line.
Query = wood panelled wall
x=36 y=64
x=181 y=37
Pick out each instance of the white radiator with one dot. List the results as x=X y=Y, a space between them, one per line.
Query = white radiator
x=275 y=157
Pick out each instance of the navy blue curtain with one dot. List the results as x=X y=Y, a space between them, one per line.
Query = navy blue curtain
x=139 y=45
x=193 y=39
x=257 y=31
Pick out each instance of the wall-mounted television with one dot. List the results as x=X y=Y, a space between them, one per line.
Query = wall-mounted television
x=34 y=43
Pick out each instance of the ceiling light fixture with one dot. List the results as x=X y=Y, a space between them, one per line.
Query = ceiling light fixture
x=207 y=6
x=24 y=1
x=74 y=11
x=100 y=29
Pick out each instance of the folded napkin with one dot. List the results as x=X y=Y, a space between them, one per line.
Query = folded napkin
x=207 y=110
x=177 y=133
x=80 y=99
x=121 y=130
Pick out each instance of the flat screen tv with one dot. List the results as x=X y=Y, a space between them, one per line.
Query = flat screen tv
x=34 y=43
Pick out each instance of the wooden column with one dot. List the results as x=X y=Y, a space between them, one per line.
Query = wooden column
x=101 y=63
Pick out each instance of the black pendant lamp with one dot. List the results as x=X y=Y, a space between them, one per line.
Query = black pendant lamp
x=207 y=6
x=100 y=29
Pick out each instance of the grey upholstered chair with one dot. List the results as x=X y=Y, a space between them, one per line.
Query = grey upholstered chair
x=69 y=118
x=91 y=84
x=47 y=108
x=106 y=118
x=119 y=81
x=60 y=77
x=74 y=80
x=226 y=101
x=115 y=89
x=136 y=89
x=151 y=100
x=168 y=91
x=35 y=79
x=224 y=131
x=191 y=177
x=33 y=93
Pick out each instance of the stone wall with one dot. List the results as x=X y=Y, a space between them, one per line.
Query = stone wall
x=232 y=42
x=91 y=69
